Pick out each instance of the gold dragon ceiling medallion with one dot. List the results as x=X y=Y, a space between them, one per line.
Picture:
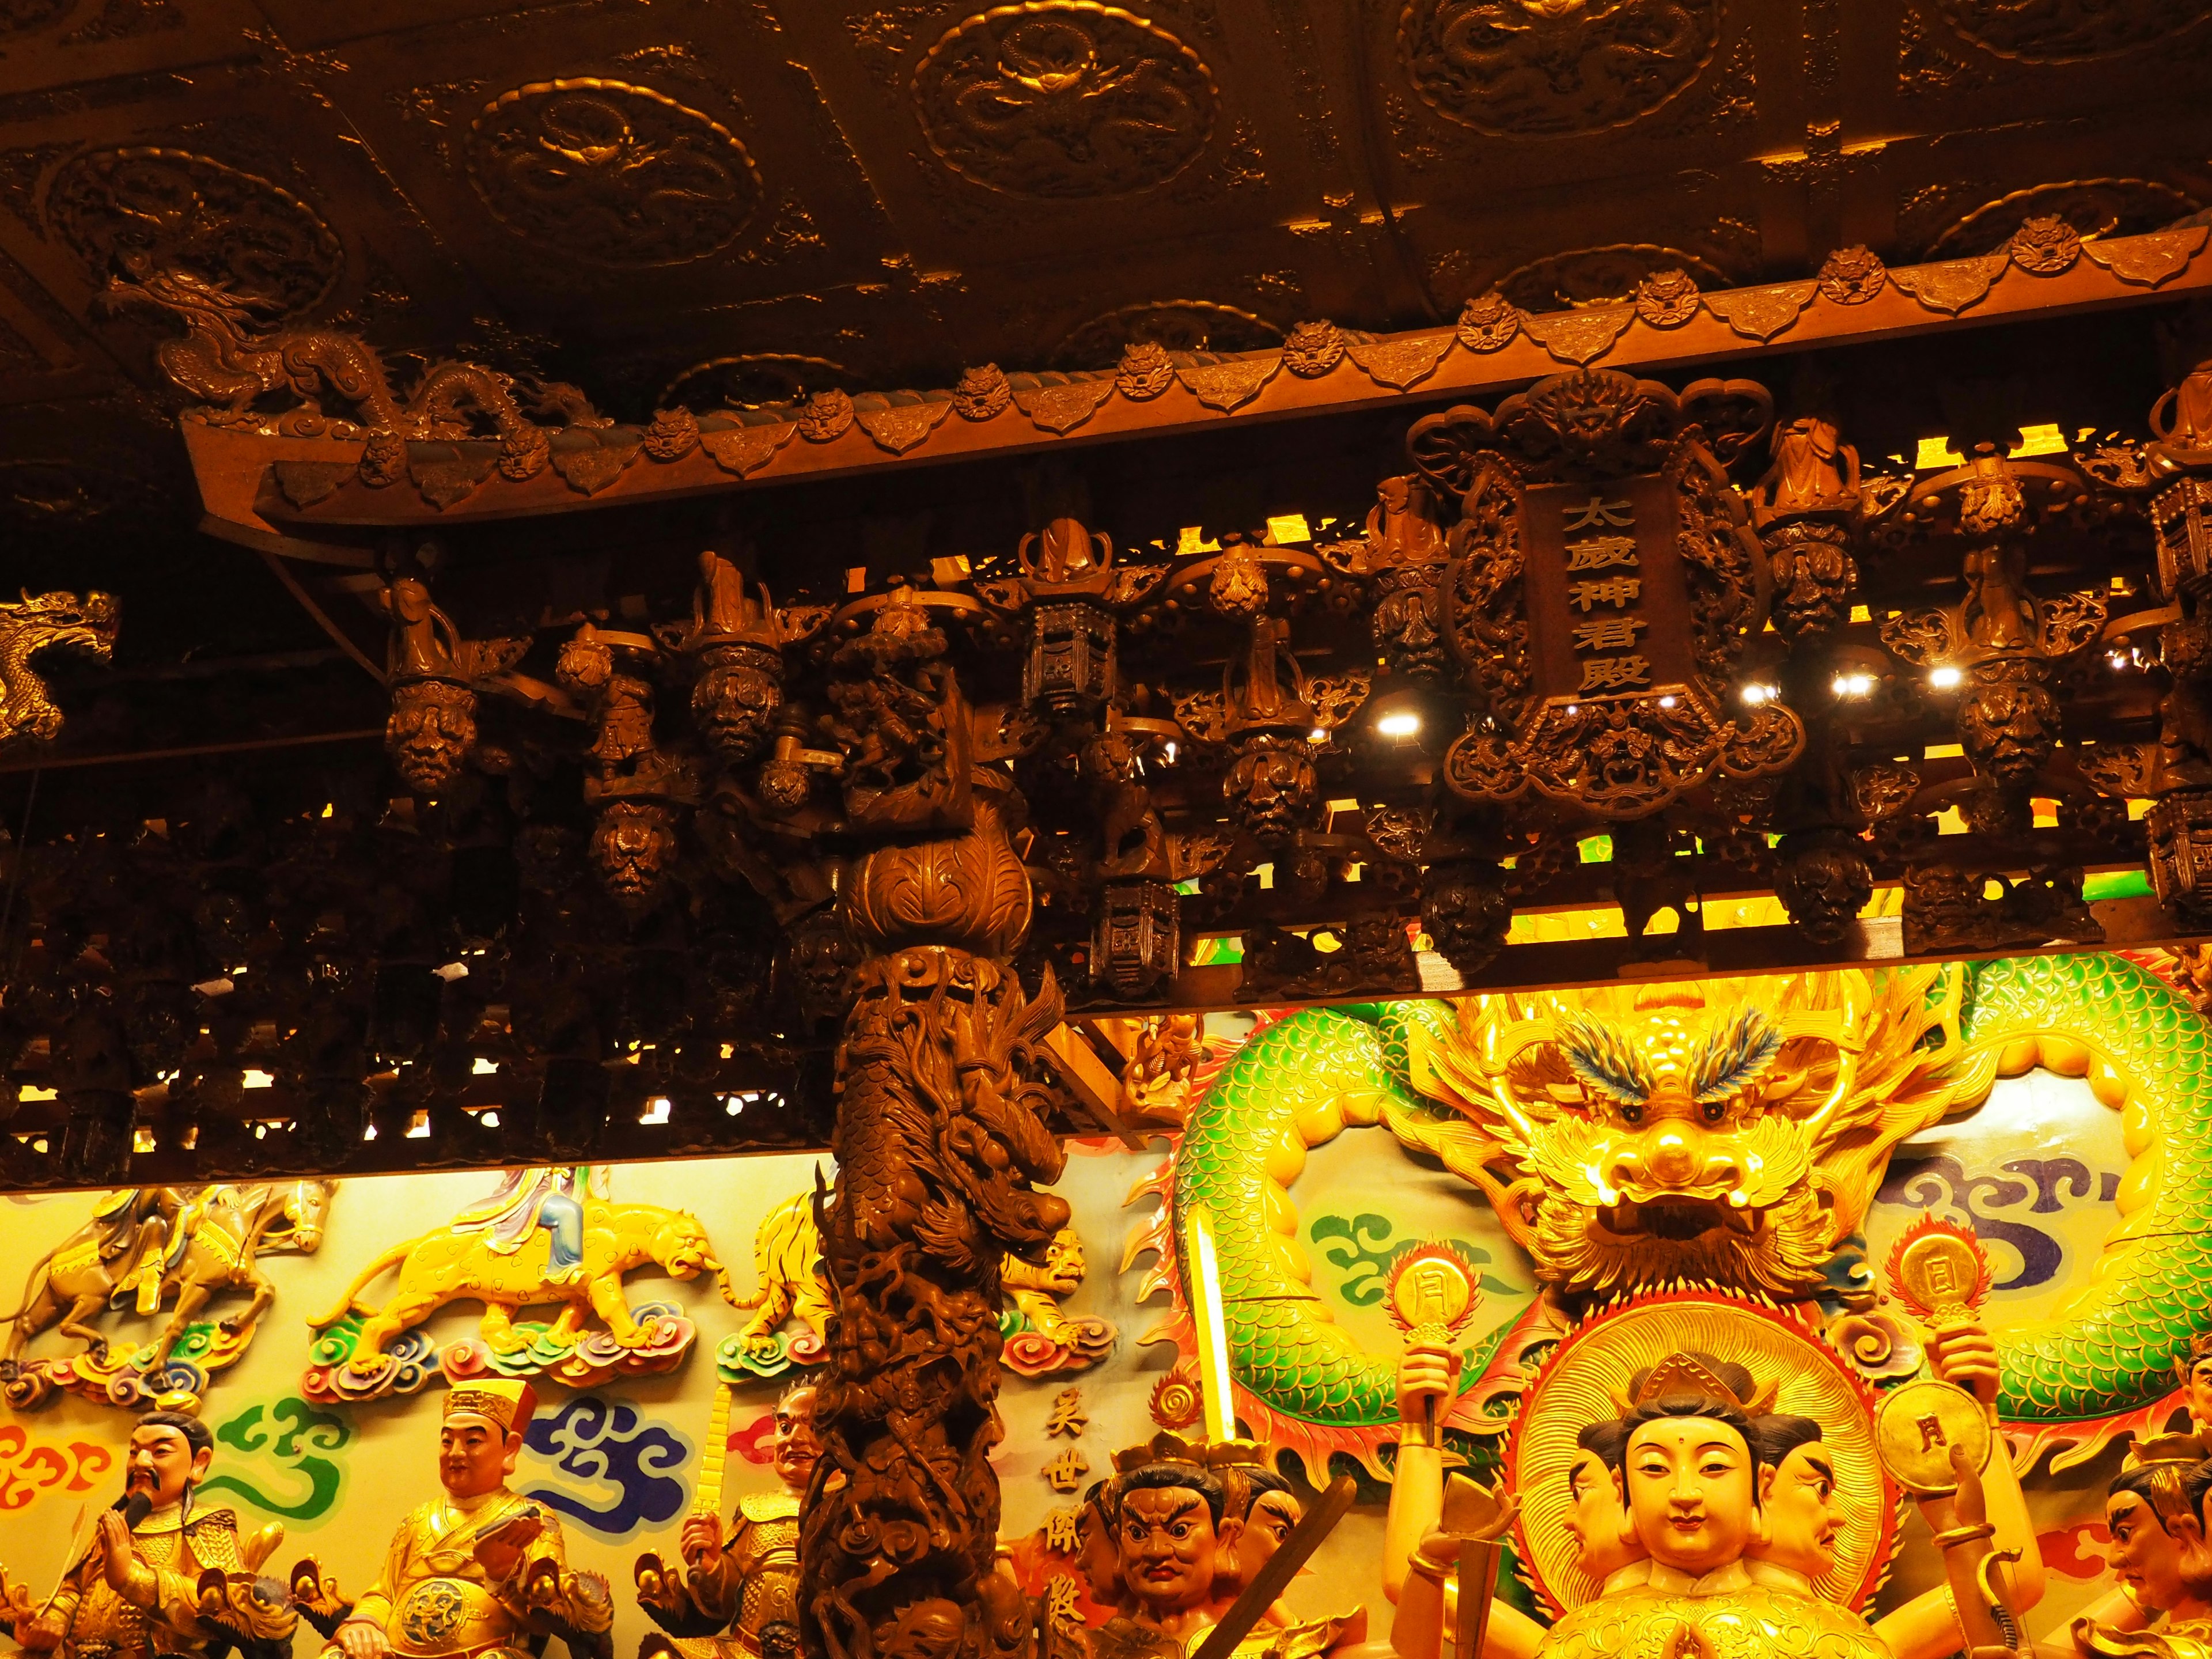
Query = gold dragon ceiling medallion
x=612 y=173
x=1532 y=67
x=1729 y=1131
x=1064 y=99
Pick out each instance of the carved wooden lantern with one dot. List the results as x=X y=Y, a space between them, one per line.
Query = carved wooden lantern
x=2181 y=452
x=2001 y=640
x=1136 y=944
x=1073 y=594
x=2179 y=829
x=1070 y=666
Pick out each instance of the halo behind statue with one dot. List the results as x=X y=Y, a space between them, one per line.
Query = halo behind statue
x=1579 y=1383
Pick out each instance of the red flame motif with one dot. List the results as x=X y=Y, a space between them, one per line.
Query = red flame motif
x=1970 y=1294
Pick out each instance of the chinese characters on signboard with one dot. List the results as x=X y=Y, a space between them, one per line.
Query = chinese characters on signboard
x=1607 y=610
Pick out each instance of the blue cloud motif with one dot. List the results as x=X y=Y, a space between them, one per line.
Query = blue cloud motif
x=623 y=1470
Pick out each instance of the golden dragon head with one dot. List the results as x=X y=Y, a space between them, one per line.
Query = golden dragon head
x=1728 y=1131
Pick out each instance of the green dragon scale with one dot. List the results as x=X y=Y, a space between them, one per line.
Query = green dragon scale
x=2112 y=1351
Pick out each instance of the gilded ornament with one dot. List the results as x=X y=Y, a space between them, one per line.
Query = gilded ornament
x=983 y=393
x=746 y=449
x=1851 y=276
x=2062 y=31
x=2044 y=244
x=1532 y=70
x=1064 y=99
x=825 y=416
x=28 y=629
x=1173 y=325
x=1312 y=349
x=1488 y=322
x=611 y=173
x=1228 y=386
x=1145 y=371
x=1607 y=275
x=587 y=462
x=1579 y=337
x=1402 y=364
x=2149 y=261
x=903 y=426
x=1666 y=299
x=1760 y=314
x=2095 y=208
x=673 y=434
x=1953 y=285
x=1061 y=403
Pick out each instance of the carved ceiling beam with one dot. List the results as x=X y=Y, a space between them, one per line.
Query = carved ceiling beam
x=263 y=476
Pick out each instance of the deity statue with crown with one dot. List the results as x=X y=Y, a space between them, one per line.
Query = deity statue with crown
x=480 y=1572
x=1695 y=1474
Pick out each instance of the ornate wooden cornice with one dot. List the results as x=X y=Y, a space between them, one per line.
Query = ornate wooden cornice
x=259 y=474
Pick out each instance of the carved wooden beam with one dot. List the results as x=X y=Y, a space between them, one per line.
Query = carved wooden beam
x=257 y=483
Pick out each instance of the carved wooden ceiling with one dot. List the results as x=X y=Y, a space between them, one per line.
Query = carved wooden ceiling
x=735 y=197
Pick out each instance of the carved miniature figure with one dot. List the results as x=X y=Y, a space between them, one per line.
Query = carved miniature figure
x=159 y=1574
x=435 y=674
x=746 y=1580
x=737 y=645
x=481 y=1571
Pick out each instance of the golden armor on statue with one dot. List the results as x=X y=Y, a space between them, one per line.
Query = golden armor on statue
x=156 y=1575
x=482 y=1573
x=743 y=1580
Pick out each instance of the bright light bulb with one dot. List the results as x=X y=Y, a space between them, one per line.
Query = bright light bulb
x=1317 y=735
x=1403 y=724
x=1945 y=678
x=1755 y=695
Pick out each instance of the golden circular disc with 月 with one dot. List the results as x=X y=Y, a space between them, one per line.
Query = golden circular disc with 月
x=1596 y=1361
x=1430 y=1293
x=1917 y=1427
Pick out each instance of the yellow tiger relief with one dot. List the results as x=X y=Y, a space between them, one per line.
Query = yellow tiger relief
x=787 y=1268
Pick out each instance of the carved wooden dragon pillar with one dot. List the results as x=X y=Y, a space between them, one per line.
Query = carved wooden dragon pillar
x=939 y=1143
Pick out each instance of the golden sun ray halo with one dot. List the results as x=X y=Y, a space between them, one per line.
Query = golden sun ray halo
x=1595 y=1360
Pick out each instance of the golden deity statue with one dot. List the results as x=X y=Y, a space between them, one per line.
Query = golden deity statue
x=480 y=1572
x=745 y=1582
x=157 y=1575
x=1736 y=1497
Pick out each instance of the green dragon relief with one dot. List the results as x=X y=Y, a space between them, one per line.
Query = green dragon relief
x=1731 y=1133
